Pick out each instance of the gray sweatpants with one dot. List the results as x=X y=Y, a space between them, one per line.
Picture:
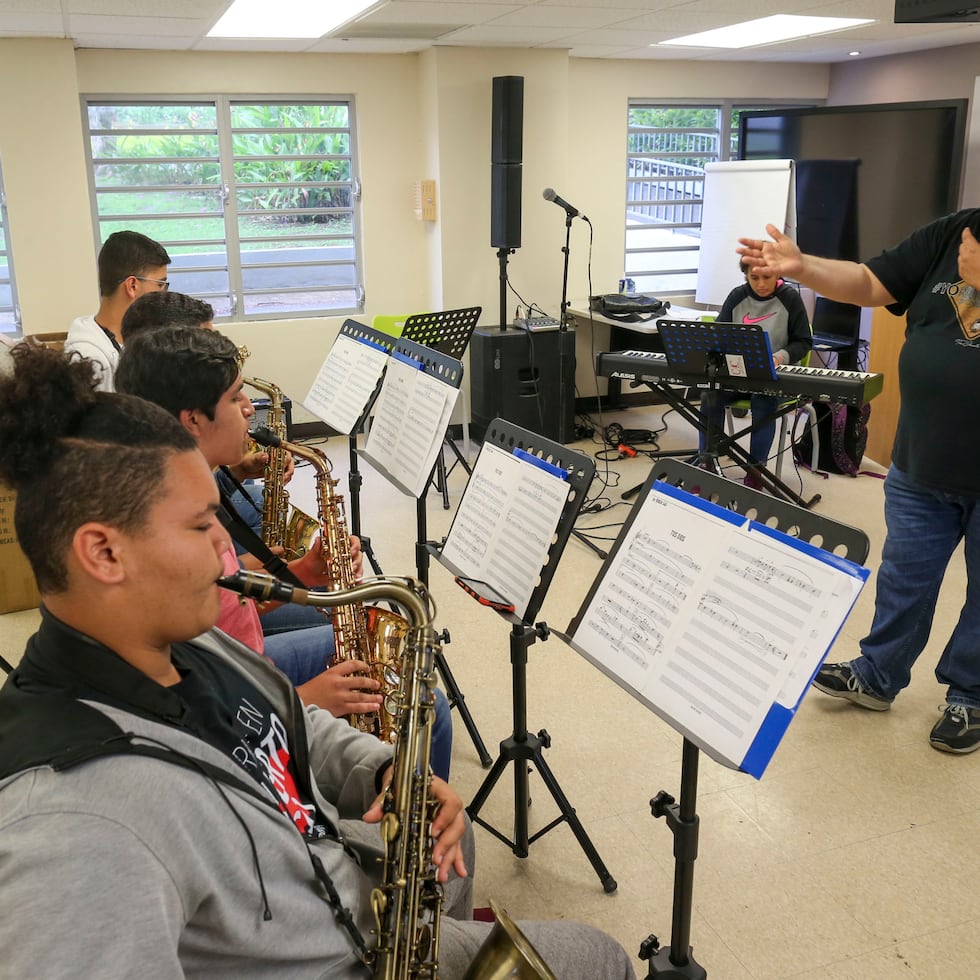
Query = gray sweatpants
x=573 y=951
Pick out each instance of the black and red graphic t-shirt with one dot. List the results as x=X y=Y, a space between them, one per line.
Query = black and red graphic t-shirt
x=232 y=715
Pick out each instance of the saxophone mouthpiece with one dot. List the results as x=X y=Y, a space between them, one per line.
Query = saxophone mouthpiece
x=264 y=436
x=259 y=586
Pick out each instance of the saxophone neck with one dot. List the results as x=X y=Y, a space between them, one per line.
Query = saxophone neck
x=316 y=457
x=274 y=392
x=409 y=594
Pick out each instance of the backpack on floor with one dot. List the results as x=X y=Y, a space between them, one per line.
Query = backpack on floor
x=842 y=431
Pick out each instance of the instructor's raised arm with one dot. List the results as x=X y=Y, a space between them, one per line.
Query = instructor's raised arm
x=846 y=282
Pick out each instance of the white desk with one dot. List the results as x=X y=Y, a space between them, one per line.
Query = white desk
x=585 y=316
x=592 y=334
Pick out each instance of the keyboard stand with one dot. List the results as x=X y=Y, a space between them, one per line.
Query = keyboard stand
x=727 y=445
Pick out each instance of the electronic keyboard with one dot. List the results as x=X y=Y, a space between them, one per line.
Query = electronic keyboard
x=793 y=380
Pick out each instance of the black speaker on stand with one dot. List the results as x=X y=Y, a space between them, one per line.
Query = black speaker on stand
x=506 y=160
x=514 y=375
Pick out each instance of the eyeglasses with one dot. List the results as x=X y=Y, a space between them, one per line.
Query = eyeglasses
x=164 y=284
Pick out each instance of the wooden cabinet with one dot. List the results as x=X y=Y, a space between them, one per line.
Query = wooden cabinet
x=887 y=337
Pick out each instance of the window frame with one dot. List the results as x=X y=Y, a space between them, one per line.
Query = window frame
x=648 y=279
x=16 y=328
x=232 y=304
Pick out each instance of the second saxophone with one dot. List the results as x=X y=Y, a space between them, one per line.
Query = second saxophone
x=361 y=632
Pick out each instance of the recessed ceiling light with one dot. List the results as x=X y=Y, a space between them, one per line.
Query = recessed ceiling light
x=767 y=30
x=853 y=54
x=286 y=18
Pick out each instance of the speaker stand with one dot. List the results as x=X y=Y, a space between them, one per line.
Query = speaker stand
x=502 y=254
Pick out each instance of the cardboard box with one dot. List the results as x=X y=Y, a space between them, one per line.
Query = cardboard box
x=18 y=590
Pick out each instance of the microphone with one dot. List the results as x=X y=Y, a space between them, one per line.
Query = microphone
x=549 y=195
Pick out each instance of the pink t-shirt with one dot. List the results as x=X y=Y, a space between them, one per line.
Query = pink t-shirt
x=239 y=617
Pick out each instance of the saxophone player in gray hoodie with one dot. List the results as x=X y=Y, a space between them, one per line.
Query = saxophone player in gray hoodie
x=168 y=808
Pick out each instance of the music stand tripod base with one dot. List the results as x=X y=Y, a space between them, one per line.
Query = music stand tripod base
x=524 y=750
x=662 y=968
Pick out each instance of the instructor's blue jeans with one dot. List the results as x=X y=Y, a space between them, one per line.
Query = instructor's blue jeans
x=924 y=528
x=303 y=652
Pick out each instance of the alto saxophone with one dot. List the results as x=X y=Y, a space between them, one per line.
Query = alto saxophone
x=408 y=902
x=290 y=529
x=367 y=633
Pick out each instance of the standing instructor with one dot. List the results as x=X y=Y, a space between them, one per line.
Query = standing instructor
x=933 y=485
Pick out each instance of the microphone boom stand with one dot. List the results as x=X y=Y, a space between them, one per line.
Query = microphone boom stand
x=563 y=357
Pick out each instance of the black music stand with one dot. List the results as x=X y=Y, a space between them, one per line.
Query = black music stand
x=449 y=370
x=721 y=352
x=522 y=748
x=369 y=335
x=447 y=332
x=360 y=331
x=676 y=962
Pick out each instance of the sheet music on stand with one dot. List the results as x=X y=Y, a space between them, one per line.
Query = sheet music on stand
x=516 y=514
x=736 y=350
x=349 y=378
x=714 y=622
x=411 y=414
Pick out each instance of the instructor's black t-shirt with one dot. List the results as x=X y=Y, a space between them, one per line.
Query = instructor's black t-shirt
x=938 y=440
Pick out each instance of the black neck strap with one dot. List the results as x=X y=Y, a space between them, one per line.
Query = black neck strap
x=242 y=534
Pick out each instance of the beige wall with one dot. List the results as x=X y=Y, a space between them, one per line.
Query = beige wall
x=417 y=116
x=43 y=159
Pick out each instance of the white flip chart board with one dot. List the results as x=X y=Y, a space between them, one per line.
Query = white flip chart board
x=740 y=198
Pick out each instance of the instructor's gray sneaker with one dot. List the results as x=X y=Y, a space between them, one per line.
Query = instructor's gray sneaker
x=958 y=730
x=839 y=681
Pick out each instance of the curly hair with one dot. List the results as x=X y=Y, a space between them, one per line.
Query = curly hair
x=75 y=454
x=180 y=368
x=164 y=309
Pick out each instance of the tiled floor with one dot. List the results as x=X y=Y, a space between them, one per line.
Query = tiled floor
x=854 y=856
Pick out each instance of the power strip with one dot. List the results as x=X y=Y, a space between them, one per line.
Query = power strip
x=535 y=322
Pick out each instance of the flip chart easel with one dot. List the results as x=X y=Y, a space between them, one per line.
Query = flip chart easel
x=740 y=198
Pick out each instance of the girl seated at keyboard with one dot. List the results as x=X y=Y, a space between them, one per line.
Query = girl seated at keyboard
x=766 y=300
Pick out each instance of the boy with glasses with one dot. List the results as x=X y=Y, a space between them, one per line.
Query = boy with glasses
x=130 y=265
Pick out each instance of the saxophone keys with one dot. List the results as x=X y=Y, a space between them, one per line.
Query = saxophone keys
x=379 y=903
x=390 y=827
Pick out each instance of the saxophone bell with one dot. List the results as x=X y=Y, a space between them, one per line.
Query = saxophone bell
x=507 y=953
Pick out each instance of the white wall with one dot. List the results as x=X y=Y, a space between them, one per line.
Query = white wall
x=417 y=116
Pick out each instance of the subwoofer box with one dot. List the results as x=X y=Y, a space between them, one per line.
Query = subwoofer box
x=525 y=378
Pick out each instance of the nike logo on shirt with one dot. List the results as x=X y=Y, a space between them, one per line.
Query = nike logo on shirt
x=756 y=319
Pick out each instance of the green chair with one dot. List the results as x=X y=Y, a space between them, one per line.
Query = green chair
x=391 y=325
